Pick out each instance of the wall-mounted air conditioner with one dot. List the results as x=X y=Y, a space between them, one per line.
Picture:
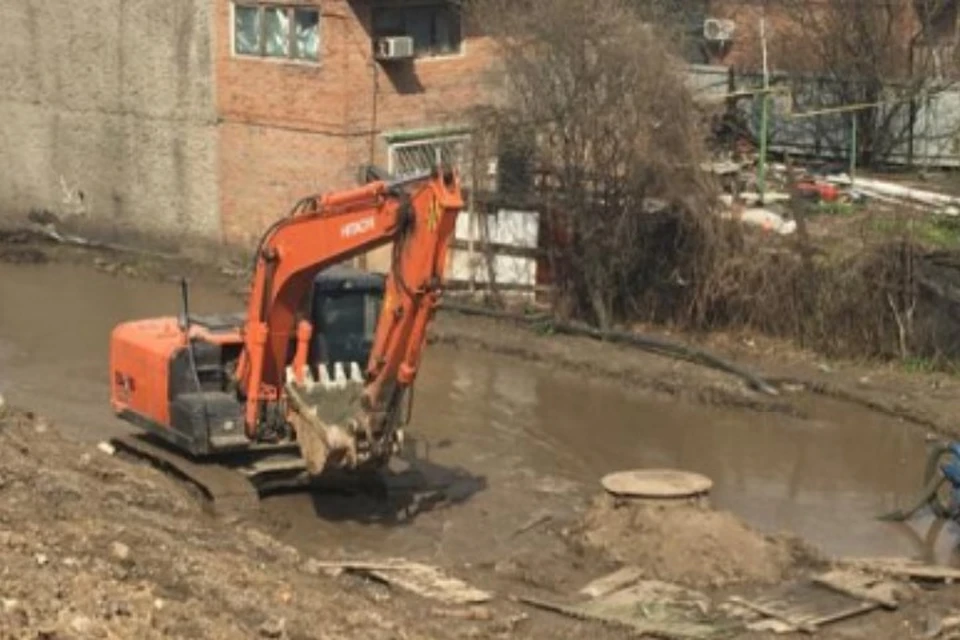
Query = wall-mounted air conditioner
x=394 y=48
x=718 y=30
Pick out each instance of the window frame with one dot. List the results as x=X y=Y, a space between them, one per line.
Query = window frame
x=393 y=147
x=424 y=57
x=291 y=12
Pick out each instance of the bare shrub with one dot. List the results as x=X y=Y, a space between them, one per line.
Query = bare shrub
x=593 y=126
x=594 y=118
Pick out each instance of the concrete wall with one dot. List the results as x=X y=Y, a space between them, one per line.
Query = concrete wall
x=108 y=118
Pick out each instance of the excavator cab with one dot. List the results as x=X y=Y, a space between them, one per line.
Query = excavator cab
x=344 y=308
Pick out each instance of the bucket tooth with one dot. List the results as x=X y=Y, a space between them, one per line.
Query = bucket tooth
x=306 y=380
x=339 y=376
x=355 y=373
x=309 y=382
x=325 y=380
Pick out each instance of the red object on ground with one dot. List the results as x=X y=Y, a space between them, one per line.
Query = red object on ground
x=826 y=192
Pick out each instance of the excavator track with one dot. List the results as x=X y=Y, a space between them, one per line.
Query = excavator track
x=229 y=493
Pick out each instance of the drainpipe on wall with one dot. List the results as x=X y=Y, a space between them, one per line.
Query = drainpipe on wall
x=371 y=159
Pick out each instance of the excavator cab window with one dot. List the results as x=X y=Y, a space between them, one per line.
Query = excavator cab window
x=345 y=308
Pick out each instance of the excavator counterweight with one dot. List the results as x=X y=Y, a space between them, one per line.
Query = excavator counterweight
x=314 y=379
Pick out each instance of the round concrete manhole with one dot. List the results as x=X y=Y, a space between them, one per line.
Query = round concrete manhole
x=656 y=483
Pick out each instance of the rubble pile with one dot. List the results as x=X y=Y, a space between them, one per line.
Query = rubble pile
x=689 y=543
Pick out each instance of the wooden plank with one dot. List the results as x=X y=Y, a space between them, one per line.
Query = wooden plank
x=668 y=630
x=842 y=614
x=609 y=583
x=795 y=624
x=424 y=580
x=430 y=582
x=860 y=586
x=807 y=606
x=902 y=567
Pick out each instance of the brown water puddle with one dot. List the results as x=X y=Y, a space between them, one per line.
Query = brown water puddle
x=522 y=437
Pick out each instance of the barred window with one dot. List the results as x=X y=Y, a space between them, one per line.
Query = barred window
x=425 y=154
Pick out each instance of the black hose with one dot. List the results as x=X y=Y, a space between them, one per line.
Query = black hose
x=648 y=343
x=922 y=499
x=932 y=480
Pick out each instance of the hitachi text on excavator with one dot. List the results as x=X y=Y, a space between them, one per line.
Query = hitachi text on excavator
x=317 y=376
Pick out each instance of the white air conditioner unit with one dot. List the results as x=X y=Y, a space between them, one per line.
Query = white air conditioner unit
x=394 y=48
x=718 y=30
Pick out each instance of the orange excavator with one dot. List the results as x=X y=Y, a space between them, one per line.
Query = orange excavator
x=316 y=378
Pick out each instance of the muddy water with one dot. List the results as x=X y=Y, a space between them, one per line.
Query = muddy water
x=55 y=323
x=511 y=439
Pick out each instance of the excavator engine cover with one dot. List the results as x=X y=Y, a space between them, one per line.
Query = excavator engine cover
x=194 y=406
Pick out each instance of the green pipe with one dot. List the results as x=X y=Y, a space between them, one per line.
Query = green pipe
x=853 y=147
x=762 y=165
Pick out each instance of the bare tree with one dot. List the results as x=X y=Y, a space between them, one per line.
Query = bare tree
x=594 y=117
x=890 y=53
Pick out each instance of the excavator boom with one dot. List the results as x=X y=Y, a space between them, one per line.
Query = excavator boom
x=418 y=215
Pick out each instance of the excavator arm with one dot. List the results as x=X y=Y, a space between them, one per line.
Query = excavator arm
x=417 y=215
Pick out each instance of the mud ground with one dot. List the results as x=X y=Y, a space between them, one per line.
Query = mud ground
x=177 y=572
x=96 y=547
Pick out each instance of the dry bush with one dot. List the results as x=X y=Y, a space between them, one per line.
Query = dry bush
x=594 y=126
x=595 y=119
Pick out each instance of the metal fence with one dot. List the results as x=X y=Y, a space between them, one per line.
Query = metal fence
x=932 y=141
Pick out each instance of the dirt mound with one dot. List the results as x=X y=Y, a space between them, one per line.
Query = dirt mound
x=688 y=543
x=95 y=547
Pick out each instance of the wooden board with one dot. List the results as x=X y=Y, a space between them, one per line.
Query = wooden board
x=619 y=579
x=807 y=605
x=422 y=579
x=903 y=567
x=860 y=585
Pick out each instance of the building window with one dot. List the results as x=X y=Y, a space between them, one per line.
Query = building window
x=434 y=27
x=422 y=155
x=272 y=31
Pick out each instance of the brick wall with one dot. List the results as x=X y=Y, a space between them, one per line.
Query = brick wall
x=789 y=47
x=291 y=128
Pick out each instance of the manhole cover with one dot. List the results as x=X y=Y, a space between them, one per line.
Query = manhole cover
x=656 y=483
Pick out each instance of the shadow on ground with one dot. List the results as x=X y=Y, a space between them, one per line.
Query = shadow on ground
x=412 y=486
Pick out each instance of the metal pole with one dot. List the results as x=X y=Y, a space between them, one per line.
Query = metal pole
x=764 y=114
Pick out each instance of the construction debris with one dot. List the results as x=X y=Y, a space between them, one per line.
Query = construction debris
x=424 y=580
x=745 y=200
x=619 y=579
x=806 y=606
x=658 y=620
x=857 y=584
x=937 y=626
x=765 y=219
x=939 y=202
x=903 y=568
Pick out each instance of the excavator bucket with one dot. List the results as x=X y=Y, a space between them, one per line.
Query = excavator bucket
x=323 y=414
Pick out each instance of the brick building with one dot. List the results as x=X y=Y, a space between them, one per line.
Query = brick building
x=794 y=28
x=208 y=119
